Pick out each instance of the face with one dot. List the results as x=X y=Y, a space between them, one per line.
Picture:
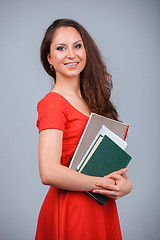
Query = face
x=67 y=53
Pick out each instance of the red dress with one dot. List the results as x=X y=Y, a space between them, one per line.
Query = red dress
x=67 y=215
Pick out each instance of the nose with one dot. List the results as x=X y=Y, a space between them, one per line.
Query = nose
x=71 y=53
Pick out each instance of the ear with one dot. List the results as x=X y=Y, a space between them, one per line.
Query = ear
x=49 y=59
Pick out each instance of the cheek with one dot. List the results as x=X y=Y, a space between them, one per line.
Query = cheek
x=56 y=59
x=83 y=56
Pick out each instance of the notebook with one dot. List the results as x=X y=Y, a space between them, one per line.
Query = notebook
x=93 y=126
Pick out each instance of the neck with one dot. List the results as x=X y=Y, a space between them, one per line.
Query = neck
x=68 y=86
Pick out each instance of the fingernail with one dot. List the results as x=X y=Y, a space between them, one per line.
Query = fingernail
x=94 y=191
x=97 y=184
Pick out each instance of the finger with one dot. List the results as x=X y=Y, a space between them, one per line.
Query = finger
x=114 y=176
x=107 y=186
x=107 y=193
x=125 y=176
x=119 y=172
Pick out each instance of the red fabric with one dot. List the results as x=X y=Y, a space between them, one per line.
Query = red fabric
x=67 y=215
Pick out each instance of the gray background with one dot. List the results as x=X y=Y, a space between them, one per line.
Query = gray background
x=128 y=34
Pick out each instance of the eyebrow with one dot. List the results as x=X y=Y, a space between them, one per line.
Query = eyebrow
x=65 y=44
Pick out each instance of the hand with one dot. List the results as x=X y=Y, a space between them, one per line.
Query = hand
x=122 y=185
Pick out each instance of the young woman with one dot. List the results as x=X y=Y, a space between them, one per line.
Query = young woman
x=82 y=86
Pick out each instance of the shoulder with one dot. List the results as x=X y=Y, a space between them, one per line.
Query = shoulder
x=51 y=100
x=52 y=112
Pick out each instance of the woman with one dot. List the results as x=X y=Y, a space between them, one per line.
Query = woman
x=82 y=86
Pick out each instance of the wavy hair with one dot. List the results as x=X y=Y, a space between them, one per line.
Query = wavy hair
x=95 y=81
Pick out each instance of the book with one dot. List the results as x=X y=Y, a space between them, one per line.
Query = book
x=87 y=156
x=106 y=157
x=93 y=126
x=103 y=131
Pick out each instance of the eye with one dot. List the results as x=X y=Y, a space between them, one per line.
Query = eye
x=78 y=45
x=60 y=48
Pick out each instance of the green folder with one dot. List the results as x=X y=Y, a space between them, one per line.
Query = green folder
x=107 y=158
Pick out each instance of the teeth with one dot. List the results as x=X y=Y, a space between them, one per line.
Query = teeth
x=71 y=64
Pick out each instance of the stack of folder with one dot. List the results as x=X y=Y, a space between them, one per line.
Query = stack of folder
x=101 y=149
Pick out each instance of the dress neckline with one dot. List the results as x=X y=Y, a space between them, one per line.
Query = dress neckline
x=70 y=104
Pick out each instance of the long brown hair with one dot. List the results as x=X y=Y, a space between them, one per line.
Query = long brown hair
x=95 y=81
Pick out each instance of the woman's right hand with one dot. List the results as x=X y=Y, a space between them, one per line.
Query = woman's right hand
x=114 y=185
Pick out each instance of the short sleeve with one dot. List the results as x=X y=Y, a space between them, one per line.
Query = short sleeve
x=51 y=113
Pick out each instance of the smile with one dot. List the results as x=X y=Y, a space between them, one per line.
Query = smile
x=71 y=64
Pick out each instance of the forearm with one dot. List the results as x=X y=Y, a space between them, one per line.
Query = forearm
x=68 y=179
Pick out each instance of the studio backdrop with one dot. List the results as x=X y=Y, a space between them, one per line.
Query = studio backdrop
x=128 y=35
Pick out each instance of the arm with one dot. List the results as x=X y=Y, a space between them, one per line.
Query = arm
x=54 y=174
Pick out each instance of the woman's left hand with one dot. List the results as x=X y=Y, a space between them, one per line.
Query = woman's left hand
x=122 y=182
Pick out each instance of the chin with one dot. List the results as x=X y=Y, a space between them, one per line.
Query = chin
x=73 y=74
